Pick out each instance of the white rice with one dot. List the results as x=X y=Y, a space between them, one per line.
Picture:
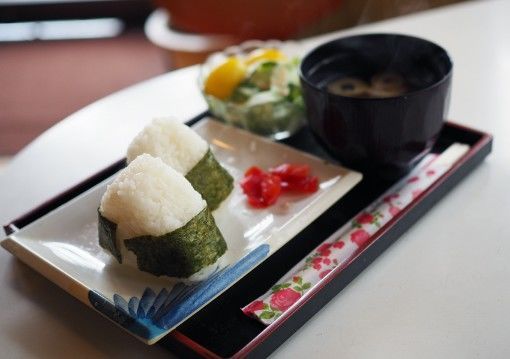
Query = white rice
x=149 y=198
x=172 y=141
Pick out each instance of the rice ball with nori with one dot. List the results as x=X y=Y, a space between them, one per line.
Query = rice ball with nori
x=186 y=152
x=151 y=210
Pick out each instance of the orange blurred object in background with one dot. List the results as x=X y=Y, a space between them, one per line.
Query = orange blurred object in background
x=256 y=19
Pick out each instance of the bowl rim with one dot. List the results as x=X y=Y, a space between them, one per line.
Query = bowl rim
x=446 y=77
x=159 y=31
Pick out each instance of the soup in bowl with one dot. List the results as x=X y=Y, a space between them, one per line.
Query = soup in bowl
x=377 y=102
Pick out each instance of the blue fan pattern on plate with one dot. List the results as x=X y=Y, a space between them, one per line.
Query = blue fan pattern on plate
x=153 y=314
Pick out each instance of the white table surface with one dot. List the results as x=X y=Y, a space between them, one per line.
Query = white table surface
x=443 y=290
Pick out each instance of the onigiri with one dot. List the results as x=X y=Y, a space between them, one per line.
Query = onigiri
x=189 y=154
x=151 y=211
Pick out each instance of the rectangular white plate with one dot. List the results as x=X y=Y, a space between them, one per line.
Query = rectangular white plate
x=63 y=245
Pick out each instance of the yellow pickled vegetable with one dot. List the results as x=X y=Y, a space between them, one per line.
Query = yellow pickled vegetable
x=224 y=79
x=265 y=55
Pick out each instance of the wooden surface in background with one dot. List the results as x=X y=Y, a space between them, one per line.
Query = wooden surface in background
x=43 y=82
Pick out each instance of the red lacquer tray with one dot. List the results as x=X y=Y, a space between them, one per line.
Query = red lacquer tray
x=220 y=329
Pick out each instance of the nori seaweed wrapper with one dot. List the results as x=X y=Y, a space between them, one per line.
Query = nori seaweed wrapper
x=211 y=180
x=183 y=252
x=180 y=253
x=107 y=236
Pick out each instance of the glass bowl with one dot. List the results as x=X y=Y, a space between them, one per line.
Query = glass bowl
x=267 y=101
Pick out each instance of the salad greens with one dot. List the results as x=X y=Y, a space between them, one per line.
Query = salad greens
x=268 y=101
